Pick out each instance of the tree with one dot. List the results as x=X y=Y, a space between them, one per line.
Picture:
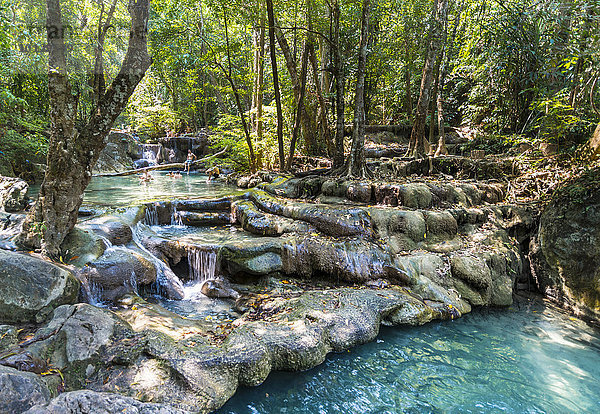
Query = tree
x=271 y=18
x=73 y=149
x=356 y=160
x=419 y=145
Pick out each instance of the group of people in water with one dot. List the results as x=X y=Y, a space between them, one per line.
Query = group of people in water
x=212 y=172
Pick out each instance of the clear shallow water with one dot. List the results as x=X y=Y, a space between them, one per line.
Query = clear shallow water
x=524 y=360
x=128 y=190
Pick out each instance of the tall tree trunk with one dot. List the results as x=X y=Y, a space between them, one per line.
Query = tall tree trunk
x=299 y=107
x=72 y=152
x=419 y=145
x=236 y=95
x=259 y=57
x=448 y=44
x=338 y=70
x=432 y=103
x=99 y=84
x=273 y=53
x=356 y=161
x=324 y=131
x=260 y=76
x=408 y=103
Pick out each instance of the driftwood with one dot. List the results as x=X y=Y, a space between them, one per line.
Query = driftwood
x=160 y=167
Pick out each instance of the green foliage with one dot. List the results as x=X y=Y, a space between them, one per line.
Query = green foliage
x=228 y=133
x=22 y=151
x=497 y=144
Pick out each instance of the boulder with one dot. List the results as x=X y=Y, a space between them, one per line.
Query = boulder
x=82 y=246
x=121 y=149
x=13 y=194
x=112 y=229
x=90 y=402
x=31 y=287
x=472 y=278
x=218 y=288
x=19 y=390
x=566 y=263
x=117 y=272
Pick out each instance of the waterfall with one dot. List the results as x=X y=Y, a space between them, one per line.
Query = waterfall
x=175 y=216
x=151 y=215
x=162 y=269
x=202 y=264
x=93 y=293
x=132 y=283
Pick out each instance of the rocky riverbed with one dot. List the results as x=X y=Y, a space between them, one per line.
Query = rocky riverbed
x=296 y=268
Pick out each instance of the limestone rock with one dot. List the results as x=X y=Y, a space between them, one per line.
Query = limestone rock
x=118 y=271
x=31 y=287
x=19 y=390
x=121 y=149
x=90 y=402
x=8 y=337
x=13 y=193
x=83 y=246
x=567 y=266
x=473 y=279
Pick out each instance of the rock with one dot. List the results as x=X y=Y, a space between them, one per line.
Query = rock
x=90 y=402
x=31 y=287
x=110 y=228
x=83 y=246
x=81 y=335
x=143 y=163
x=8 y=337
x=117 y=272
x=13 y=193
x=218 y=288
x=473 y=279
x=121 y=149
x=19 y=390
x=359 y=191
x=567 y=263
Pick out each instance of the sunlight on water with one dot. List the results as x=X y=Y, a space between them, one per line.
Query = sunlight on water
x=125 y=191
x=524 y=360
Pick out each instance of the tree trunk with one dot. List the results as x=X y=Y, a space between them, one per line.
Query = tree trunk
x=419 y=145
x=72 y=152
x=338 y=70
x=356 y=161
x=276 y=83
x=299 y=107
x=324 y=131
x=408 y=103
x=260 y=77
x=236 y=95
x=448 y=44
x=259 y=54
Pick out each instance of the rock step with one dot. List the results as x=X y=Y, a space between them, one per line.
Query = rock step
x=453 y=165
x=190 y=218
x=411 y=195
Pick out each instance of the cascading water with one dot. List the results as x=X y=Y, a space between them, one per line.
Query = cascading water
x=150 y=153
x=151 y=215
x=163 y=271
x=202 y=264
x=175 y=216
x=93 y=293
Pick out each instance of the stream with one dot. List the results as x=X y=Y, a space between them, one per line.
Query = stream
x=527 y=358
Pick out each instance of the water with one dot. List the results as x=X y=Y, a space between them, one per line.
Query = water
x=527 y=360
x=126 y=191
x=202 y=265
